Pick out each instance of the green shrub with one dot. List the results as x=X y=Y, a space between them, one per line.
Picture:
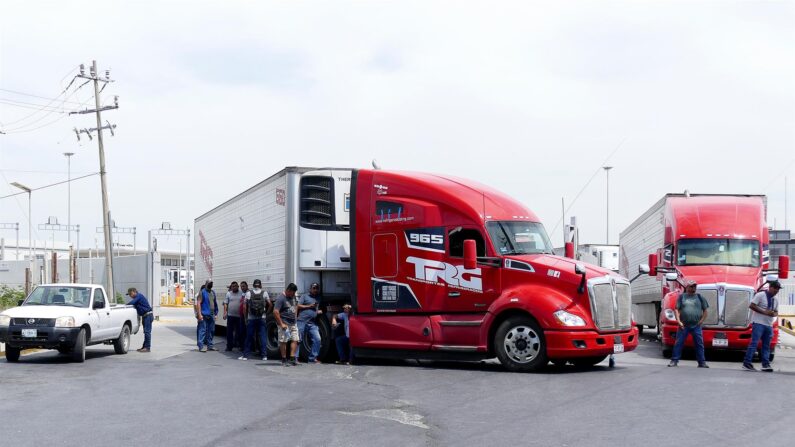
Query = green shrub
x=10 y=296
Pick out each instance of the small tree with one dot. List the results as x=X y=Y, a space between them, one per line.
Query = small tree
x=10 y=296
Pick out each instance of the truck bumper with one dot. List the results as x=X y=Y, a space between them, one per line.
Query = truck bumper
x=46 y=337
x=575 y=344
x=737 y=339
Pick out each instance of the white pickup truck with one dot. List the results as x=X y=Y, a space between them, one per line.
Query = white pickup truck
x=67 y=317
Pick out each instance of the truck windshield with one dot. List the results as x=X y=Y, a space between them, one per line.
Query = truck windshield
x=735 y=252
x=59 y=296
x=519 y=238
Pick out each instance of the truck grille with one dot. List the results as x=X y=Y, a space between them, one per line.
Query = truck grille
x=33 y=322
x=736 y=308
x=712 y=299
x=728 y=305
x=610 y=304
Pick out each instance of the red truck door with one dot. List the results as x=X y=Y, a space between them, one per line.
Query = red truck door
x=470 y=290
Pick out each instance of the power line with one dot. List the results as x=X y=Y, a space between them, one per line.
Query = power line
x=48 y=186
x=22 y=126
x=34 y=96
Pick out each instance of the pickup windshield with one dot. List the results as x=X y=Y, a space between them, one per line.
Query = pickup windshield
x=519 y=238
x=734 y=252
x=59 y=296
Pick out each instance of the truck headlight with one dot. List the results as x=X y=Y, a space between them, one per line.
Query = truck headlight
x=669 y=315
x=568 y=319
x=5 y=320
x=65 y=322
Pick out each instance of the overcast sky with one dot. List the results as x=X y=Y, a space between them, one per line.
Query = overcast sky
x=528 y=97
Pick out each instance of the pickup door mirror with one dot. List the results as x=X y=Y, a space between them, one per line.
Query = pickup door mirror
x=98 y=305
x=470 y=254
x=19 y=303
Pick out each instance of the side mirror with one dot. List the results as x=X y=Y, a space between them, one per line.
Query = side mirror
x=653 y=264
x=783 y=266
x=643 y=269
x=470 y=254
x=569 y=250
x=19 y=303
x=579 y=268
x=671 y=276
x=98 y=305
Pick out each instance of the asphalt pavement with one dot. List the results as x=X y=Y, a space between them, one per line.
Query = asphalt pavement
x=177 y=396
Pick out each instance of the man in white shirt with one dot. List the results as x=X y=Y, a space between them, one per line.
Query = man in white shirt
x=764 y=307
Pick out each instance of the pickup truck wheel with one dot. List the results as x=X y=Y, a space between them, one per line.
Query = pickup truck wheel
x=588 y=361
x=12 y=354
x=520 y=344
x=79 y=351
x=64 y=350
x=122 y=344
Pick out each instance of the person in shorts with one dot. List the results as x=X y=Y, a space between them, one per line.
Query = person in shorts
x=284 y=311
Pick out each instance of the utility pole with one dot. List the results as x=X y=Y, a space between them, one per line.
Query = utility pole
x=69 y=193
x=607 y=206
x=94 y=76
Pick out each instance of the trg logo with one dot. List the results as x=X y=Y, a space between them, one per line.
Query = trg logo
x=429 y=271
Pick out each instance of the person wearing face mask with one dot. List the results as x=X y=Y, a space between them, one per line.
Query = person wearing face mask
x=258 y=304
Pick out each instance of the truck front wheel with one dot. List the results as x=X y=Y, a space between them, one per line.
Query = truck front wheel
x=79 y=351
x=12 y=354
x=520 y=344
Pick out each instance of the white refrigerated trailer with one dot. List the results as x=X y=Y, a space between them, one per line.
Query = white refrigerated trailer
x=292 y=227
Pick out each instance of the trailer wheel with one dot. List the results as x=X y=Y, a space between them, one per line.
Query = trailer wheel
x=520 y=344
x=272 y=338
x=122 y=344
x=588 y=361
x=326 y=341
x=79 y=352
x=12 y=354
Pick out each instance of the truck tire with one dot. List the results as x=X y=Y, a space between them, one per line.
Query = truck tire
x=520 y=344
x=79 y=351
x=305 y=345
x=640 y=329
x=667 y=351
x=122 y=344
x=64 y=349
x=12 y=354
x=588 y=361
x=272 y=338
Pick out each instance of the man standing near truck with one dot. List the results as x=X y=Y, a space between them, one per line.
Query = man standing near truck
x=307 y=312
x=258 y=303
x=234 y=326
x=285 y=313
x=690 y=312
x=141 y=305
x=765 y=310
x=206 y=311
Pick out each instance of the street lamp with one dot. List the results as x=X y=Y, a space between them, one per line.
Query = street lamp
x=69 y=194
x=30 y=220
x=607 y=206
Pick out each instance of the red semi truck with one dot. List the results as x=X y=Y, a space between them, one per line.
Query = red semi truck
x=721 y=242
x=435 y=267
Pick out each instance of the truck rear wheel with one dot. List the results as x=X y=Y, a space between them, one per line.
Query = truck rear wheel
x=272 y=338
x=520 y=344
x=122 y=344
x=79 y=351
x=12 y=354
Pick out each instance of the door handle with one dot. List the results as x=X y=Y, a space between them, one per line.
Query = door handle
x=454 y=294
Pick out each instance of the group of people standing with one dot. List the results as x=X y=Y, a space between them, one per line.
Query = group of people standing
x=691 y=311
x=245 y=312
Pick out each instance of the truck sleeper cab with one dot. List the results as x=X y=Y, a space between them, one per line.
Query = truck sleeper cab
x=447 y=268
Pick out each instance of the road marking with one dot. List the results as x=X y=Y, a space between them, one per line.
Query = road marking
x=397 y=415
